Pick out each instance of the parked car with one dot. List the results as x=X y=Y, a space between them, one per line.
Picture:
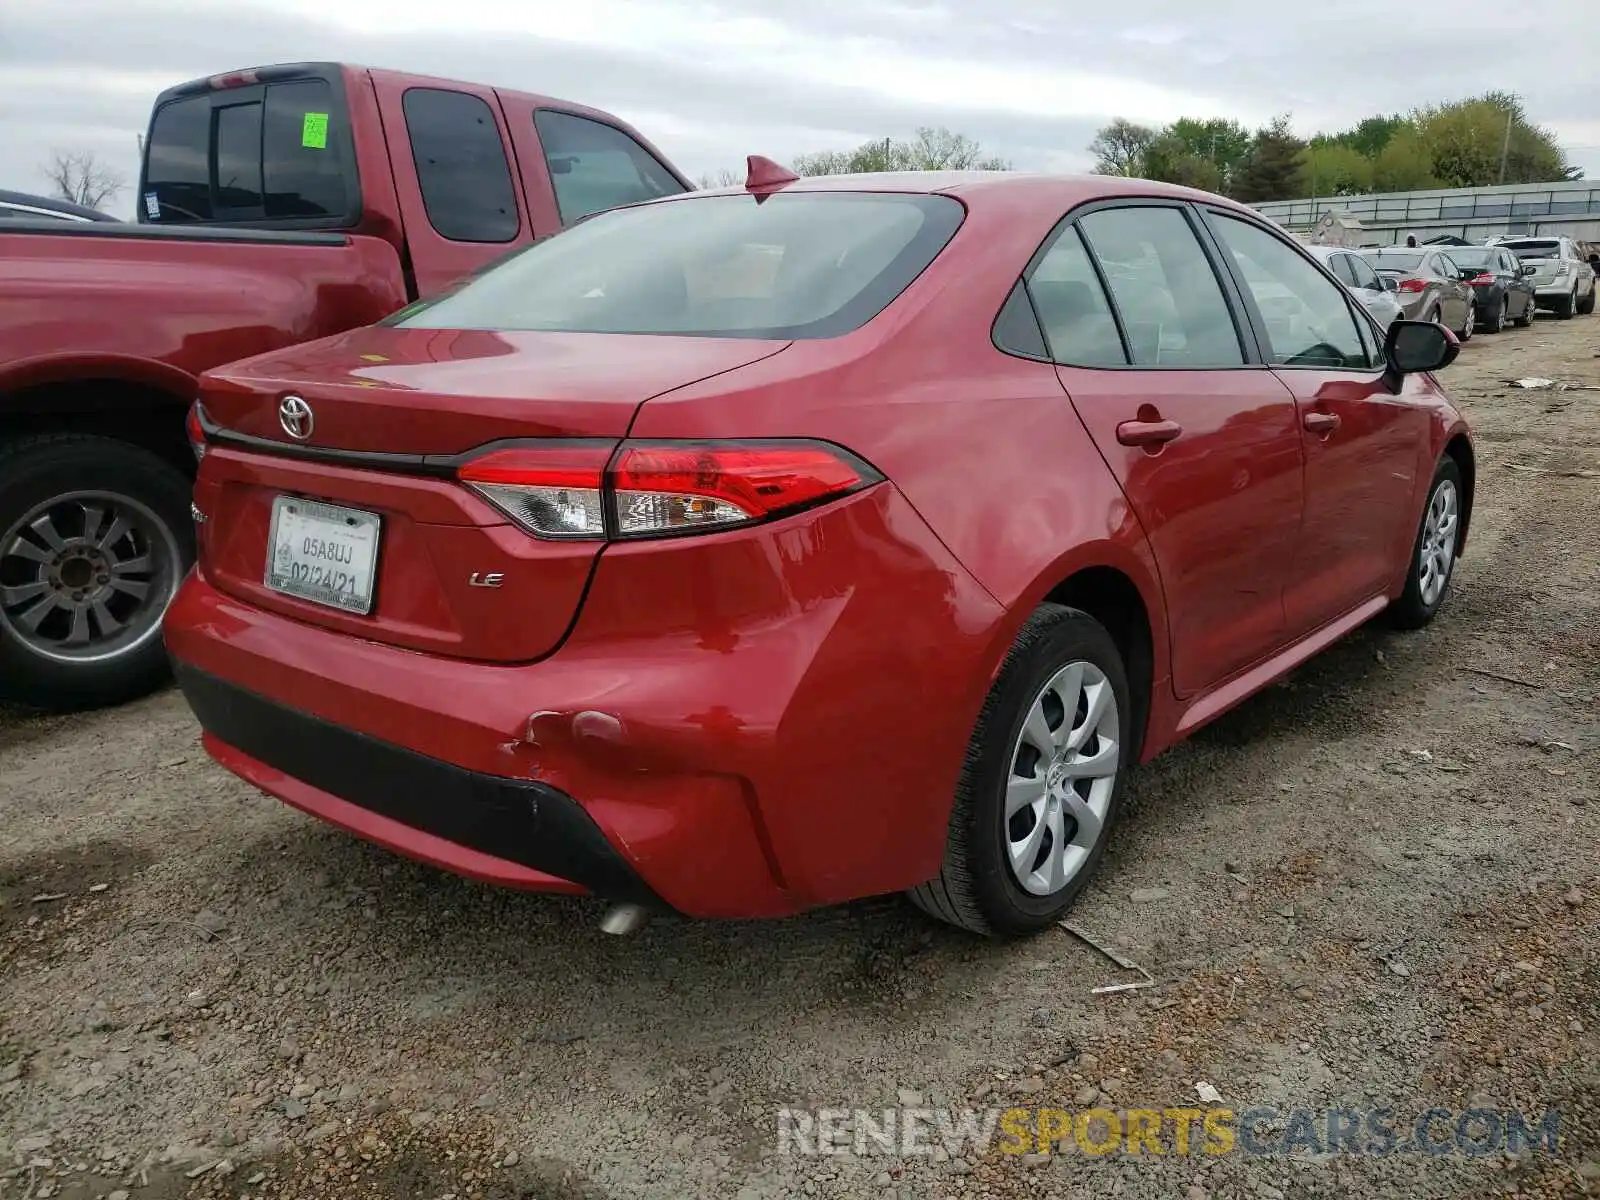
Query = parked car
x=614 y=569
x=1563 y=282
x=1376 y=292
x=1502 y=287
x=1429 y=286
x=20 y=206
x=276 y=206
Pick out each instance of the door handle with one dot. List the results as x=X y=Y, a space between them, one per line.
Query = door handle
x=1320 y=422
x=1148 y=433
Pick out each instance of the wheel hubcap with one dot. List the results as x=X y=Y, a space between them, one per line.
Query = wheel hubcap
x=1438 y=551
x=87 y=576
x=1063 y=772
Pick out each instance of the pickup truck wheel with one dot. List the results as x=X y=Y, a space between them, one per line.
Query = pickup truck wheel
x=95 y=536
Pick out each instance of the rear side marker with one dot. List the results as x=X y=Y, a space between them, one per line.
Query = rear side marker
x=581 y=490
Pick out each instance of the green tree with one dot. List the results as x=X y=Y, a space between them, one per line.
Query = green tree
x=1329 y=168
x=931 y=150
x=1488 y=139
x=1170 y=159
x=1221 y=141
x=1404 y=164
x=1120 y=147
x=1271 y=168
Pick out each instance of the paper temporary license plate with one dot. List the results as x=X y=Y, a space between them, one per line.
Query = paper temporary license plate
x=324 y=553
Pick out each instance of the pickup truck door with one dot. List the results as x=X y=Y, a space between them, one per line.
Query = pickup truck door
x=460 y=200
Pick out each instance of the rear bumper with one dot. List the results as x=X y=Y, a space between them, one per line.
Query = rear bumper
x=746 y=724
x=515 y=832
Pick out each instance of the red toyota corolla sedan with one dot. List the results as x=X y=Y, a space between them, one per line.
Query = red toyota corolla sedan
x=763 y=548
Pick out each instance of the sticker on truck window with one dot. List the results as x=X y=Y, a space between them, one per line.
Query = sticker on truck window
x=152 y=206
x=314 y=133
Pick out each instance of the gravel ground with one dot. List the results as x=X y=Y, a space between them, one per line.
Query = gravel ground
x=1377 y=884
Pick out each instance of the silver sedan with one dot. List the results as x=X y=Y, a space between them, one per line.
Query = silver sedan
x=1377 y=294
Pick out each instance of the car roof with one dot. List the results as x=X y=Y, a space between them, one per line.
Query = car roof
x=994 y=189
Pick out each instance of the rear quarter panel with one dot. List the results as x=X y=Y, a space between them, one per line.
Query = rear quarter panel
x=161 y=310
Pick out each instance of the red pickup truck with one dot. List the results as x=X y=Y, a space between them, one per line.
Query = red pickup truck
x=275 y=206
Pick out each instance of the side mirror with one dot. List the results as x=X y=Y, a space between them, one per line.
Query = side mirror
x=1413 y=346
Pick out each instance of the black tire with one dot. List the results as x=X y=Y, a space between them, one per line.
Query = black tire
x=33 y=470
x=975 y=888
x=1412 y=610
x=1501 y=316
x=1526 y=319
x=1567 y=307
x=1586 y=305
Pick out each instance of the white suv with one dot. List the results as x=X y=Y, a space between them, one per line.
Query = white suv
x=1563 y=282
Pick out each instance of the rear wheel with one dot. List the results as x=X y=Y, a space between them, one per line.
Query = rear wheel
x=1586 y=305
x=1433 y=554
x=1526 y=319
x=1567 y=306
x=1502 y=316
x=1042 y=782
x=1469 y=324
x=95 y=536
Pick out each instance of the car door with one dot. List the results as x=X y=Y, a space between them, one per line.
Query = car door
x=1363 y=444
x=1459 y=292
x=1206 y=449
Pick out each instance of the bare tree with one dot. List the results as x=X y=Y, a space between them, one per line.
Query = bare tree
x=720 y=179
x=80 y=177
x=1120 y=148
x=931 y=150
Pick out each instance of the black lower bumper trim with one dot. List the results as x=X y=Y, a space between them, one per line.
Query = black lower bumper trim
x=519 y=820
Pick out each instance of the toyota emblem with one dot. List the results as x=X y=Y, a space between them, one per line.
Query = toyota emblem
x=296 y=417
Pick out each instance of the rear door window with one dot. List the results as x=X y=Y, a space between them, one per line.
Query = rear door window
x=461 y=166
x=1170 y=301
x=594 y=166
x=1072 y=307
x=1363 y=274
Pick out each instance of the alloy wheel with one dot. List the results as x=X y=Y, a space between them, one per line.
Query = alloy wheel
x=1062 y=778
x=87 y=576
x=1437 y=553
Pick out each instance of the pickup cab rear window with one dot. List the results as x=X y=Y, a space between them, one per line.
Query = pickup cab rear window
x=272 y=153
x=796 y=265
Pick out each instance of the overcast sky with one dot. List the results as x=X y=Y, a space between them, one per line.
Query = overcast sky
x=711 y=82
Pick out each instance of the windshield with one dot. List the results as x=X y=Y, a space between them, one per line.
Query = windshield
x=1530 y=250
x=1395 y=260
x=797 y=265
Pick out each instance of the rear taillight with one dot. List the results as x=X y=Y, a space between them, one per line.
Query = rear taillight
x=1485 y=278
x=1413 y=285
x=553 y=490
x=648 y=489
x=195 y=427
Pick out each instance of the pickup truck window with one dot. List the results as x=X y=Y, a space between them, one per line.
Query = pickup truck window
x=461 y=166
x=247 y=154
x=596 y=166
x=787 y=266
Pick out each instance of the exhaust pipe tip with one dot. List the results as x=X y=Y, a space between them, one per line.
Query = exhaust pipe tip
x=621 y=920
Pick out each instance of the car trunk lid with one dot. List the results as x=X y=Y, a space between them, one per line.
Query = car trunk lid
x=328 y=485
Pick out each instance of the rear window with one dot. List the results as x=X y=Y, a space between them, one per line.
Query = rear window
x=1396 y=260
x=1463 y=257
x=1530 y=250
x=265 y=153
x=801 y=265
